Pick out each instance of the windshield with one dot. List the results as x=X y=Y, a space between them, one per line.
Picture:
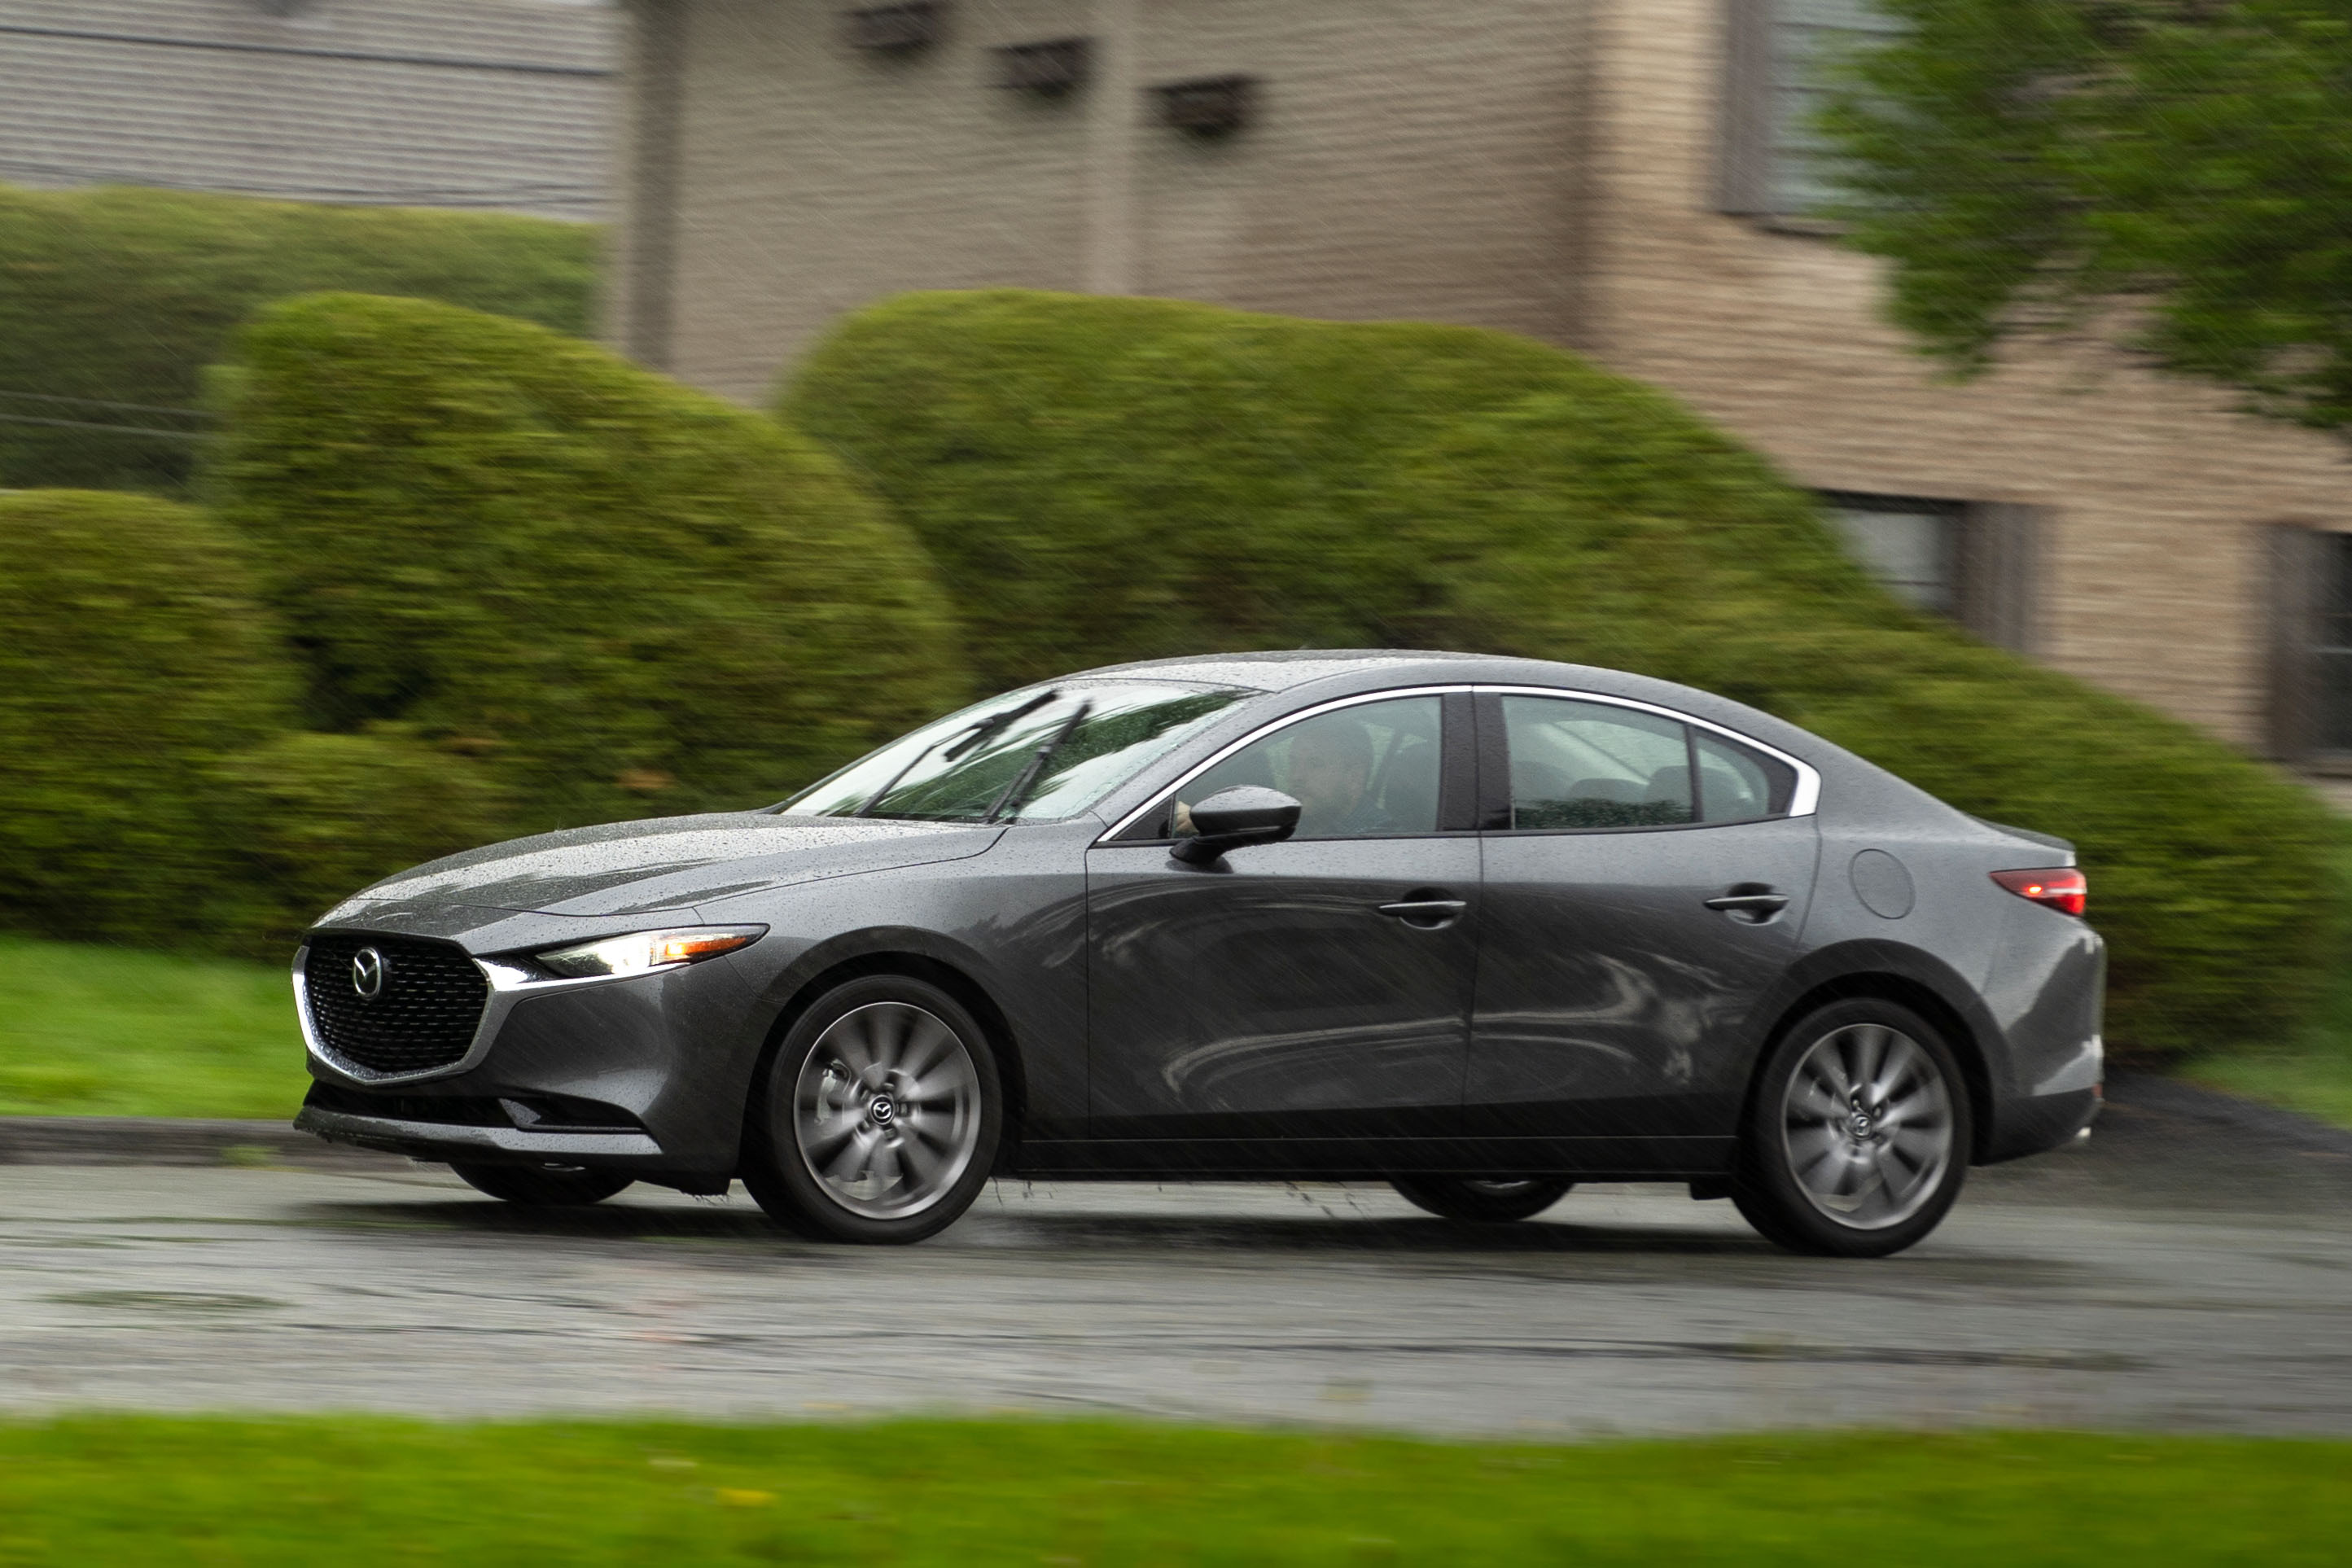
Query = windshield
x=959 y=769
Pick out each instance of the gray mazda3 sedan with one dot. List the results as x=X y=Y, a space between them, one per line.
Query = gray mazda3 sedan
x=1480 y=928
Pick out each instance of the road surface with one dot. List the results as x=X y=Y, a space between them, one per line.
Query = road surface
x=2178 y=1273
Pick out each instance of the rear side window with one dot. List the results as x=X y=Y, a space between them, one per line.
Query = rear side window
x=1593 y=766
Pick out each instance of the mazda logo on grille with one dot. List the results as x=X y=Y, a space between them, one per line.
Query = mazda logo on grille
x=369 y=971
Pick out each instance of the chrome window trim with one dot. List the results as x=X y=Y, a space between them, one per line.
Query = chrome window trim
x=1804 y=798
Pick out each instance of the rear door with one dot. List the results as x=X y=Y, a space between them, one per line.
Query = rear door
x=1645 y=880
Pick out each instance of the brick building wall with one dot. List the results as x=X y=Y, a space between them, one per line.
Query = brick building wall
x=500 y=104
x=2155 y=496
x=1551 y=167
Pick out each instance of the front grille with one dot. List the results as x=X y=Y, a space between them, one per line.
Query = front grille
x=423 y=1017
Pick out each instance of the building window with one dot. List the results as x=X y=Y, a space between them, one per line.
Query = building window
x=1912 y=547
x=1976 y=563
x=2332 y=650
x=2311 y=627
x=1773 y=163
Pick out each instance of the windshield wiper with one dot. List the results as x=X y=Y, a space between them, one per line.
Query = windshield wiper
x=967 y=740
x=1026 y=780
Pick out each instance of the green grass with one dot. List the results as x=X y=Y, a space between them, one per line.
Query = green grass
x=2312 y=1073
x=359 y=1491
x=107 y=1031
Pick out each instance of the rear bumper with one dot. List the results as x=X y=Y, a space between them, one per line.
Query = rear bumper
x=2030 y=1125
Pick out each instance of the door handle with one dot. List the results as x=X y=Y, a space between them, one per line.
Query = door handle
x=1752 y=903
x=1425 y=914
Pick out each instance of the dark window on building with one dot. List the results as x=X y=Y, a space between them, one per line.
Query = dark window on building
x=1976 y=562
x=2333 y=649
x=2311 y=655
x=1912 y=547
x=1779 y=55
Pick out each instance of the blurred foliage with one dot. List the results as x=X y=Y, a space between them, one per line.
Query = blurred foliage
x=2175 y=173
x=135 y=655
x=314 y=818
x=1105 y=479
x=626 y=598
x=118 y=295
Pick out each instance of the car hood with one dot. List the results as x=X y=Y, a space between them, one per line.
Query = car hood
x=668 y=863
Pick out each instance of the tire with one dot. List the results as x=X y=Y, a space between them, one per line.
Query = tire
x=1483 y=1200
x=545 y=1186
x=1857 y=1136
x=840 y=1124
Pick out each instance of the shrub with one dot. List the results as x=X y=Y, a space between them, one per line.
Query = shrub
x=625 y=596
x=135 y=654
x=124 y=295
x=315 y=817
x=1108 y=479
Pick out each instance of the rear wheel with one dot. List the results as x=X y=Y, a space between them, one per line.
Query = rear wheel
x=878 y=1116
x=1483 y=1199
x=543 y=1186
x=1857 y=1137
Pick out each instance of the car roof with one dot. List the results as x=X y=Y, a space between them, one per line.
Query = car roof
x=1280 y=671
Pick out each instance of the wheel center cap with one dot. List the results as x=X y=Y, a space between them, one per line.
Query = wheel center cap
x=882 y=1108
x=1860 y=1123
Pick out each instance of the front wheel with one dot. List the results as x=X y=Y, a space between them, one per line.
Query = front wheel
x=877 y=1116
x=543 y=1186
x=1481 y=1199
x=1857 y=1137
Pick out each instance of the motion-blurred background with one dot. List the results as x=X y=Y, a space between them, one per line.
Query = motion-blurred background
x=1963 y=379
x=423 y=421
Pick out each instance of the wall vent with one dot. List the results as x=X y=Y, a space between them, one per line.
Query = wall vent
x=1053 y=68
x=1209 y=106
x=900 y=30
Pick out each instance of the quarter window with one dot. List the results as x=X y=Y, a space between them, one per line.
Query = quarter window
x=1594 y=766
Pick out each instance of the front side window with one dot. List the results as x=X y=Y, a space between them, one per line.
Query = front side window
x=1031 y=756
x=1593 y=766
x=1368 y=771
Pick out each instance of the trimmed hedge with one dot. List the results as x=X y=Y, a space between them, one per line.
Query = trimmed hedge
x=135 y=656
x=625 y=596
x=1105 y=479
x=125 y=295
x=312 y=819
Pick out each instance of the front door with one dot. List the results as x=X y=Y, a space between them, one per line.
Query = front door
x=1644 y=891
x=1318 y=987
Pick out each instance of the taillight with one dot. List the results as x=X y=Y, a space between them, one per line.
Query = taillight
x=2061 y=888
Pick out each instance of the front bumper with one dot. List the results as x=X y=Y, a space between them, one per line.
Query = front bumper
x=669 y=1057
x=445 y=1140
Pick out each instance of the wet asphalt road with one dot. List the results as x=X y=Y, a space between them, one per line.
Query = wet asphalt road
x=2178 y=1273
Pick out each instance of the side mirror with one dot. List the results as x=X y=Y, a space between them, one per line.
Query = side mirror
x=1235 y=818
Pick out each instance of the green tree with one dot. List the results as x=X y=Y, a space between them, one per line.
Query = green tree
x=2174 y=175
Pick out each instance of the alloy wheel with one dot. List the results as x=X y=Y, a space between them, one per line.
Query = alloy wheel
x=886 y=1109
x=1867 y=1126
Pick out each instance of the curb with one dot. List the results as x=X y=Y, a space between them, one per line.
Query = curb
x=166 y=1141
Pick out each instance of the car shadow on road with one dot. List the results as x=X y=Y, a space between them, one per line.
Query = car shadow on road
x=1093 y=1232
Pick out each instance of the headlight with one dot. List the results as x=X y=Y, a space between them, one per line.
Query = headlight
x=643 y=951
